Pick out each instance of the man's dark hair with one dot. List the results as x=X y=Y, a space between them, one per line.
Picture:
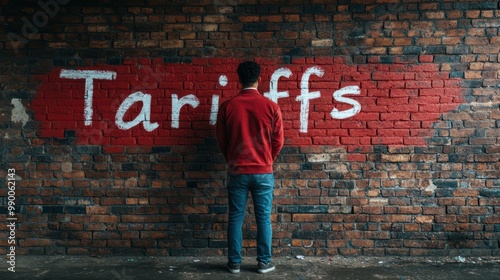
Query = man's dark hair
x=248 y=72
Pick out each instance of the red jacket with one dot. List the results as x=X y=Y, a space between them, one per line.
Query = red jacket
x=250 y=132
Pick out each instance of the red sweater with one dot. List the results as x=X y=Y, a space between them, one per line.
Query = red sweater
x=250 y=132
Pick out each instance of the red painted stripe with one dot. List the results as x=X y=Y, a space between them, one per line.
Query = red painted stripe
x=399 y=102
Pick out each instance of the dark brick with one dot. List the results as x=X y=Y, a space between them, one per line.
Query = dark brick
x=200 y=218
x=87 y=150
x=380 y=150
x=195 y=167
x=446 y=58
x=122 y=210
x=69 y=134
x=255 y=27
x=400 y=201
x=439 y=140
x=464 y=23
x=210 y=141
x=19 y=94
x=60 y=62
x=286 y=59
x=419 y=236
x=75 y=209
x=446 y=183
x=288 y=209
x=128 y=167
x=195 y=243
x=358 y=33
x=455 y=237
x=114 y=61
x=294 y=52
x=457 y=74
x=386 y=59
x=357 y=8
x=360 y=59
x=161 y=149
x=176 y=219
x=336 y=175
x=45 y=158
x=460 y=6
x=147 y=27
x=489 y=192
x=218 y=209
x=53 y=209
x=490 y=5
x=150 y=174
x=312 y=209
x=289 y=150
x=15 y=158
x=306 y=166
x=438 y=227
x=444 y=192
x=35 y=151
x=412 y=50
x=435 y=50
x=313 y=9
x=217 y=244
x=345 y=184
x=90 y=53
x=177 y=59
x=461 y=49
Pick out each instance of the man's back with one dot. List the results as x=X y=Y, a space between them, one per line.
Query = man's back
x=250 y=132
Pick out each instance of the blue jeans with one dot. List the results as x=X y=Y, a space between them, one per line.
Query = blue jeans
x=261 y=187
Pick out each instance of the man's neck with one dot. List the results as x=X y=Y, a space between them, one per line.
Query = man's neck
x=251 y=86
x=246 y=88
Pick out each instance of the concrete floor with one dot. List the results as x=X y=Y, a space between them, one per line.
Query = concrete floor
x=287 y=268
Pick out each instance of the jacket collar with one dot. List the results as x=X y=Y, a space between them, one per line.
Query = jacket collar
x=249 y=91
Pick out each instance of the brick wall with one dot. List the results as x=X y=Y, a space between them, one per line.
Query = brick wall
x=391 y=113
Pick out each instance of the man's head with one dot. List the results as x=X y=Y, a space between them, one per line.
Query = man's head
x=249 y=73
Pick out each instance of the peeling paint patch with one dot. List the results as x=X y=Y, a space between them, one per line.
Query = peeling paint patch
x=424 y=219
x=378 y=201
x=318 y=157
x=67 y=166
x=322 y=43
x=16 y=178
x=131 y=182
x=19 y=114
x=431 y=188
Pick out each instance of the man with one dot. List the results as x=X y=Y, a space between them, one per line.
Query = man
x=250 y=135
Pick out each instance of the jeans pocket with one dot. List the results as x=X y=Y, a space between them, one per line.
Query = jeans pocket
x=264 y=181
x=236 y=180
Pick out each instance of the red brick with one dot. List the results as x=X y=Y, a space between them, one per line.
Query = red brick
x=34 y=242
x=362 y=243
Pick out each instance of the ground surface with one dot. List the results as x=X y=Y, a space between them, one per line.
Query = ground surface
x=287 y=268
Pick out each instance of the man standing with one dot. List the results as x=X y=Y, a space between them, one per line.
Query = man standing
x=250 y=135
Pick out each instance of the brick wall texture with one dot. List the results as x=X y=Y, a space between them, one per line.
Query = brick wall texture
x=391 y=114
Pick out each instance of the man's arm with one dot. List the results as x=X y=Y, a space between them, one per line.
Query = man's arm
x=278 y=137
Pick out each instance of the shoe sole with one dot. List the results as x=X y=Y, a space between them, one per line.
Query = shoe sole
x=234 y=271
x=266 y=270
